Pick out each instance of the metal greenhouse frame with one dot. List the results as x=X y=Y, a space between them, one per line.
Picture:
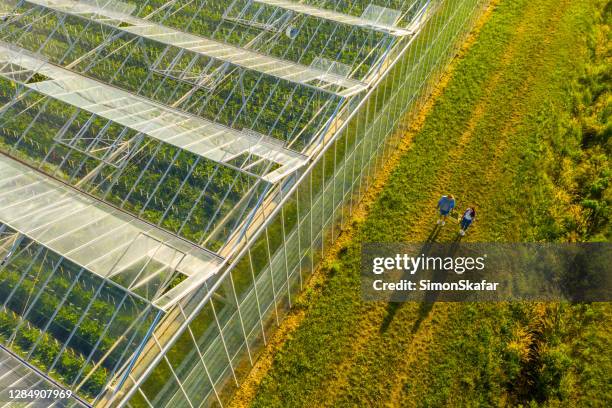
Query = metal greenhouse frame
x=172 y=171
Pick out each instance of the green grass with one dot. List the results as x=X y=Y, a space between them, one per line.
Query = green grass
x=521 y=131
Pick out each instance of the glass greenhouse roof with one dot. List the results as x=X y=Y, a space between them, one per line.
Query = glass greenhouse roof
x=107 y=13
x=243 y=99
x=337 y=17
x=95 y=236
x=194 y=134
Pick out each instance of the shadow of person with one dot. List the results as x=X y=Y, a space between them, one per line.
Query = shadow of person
x=431 y=297
x=433 y=235
x=394 y=304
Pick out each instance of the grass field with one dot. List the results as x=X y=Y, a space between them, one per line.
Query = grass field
x=522 y=132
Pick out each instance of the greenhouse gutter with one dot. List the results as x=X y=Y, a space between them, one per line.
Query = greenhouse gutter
x=254 y=61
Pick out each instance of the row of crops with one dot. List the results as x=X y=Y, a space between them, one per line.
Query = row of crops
x=241 y=99
x=65 y=320
x=358 y=48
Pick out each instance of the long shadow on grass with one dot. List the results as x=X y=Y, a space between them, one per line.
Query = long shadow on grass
x=393 y=307
x=432 y=296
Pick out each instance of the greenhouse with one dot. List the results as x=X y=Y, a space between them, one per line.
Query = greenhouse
x=172 y=172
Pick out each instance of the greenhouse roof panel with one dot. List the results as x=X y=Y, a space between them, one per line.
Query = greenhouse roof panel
x=336 y=17
x=286 y=70
x=191 y=133
x=93 y=235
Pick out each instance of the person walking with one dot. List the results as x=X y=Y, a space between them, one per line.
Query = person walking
x=468 y=218
x=445 y=206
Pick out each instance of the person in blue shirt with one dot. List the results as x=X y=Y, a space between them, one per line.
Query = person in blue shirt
x=445 y=206
x=468 y=218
